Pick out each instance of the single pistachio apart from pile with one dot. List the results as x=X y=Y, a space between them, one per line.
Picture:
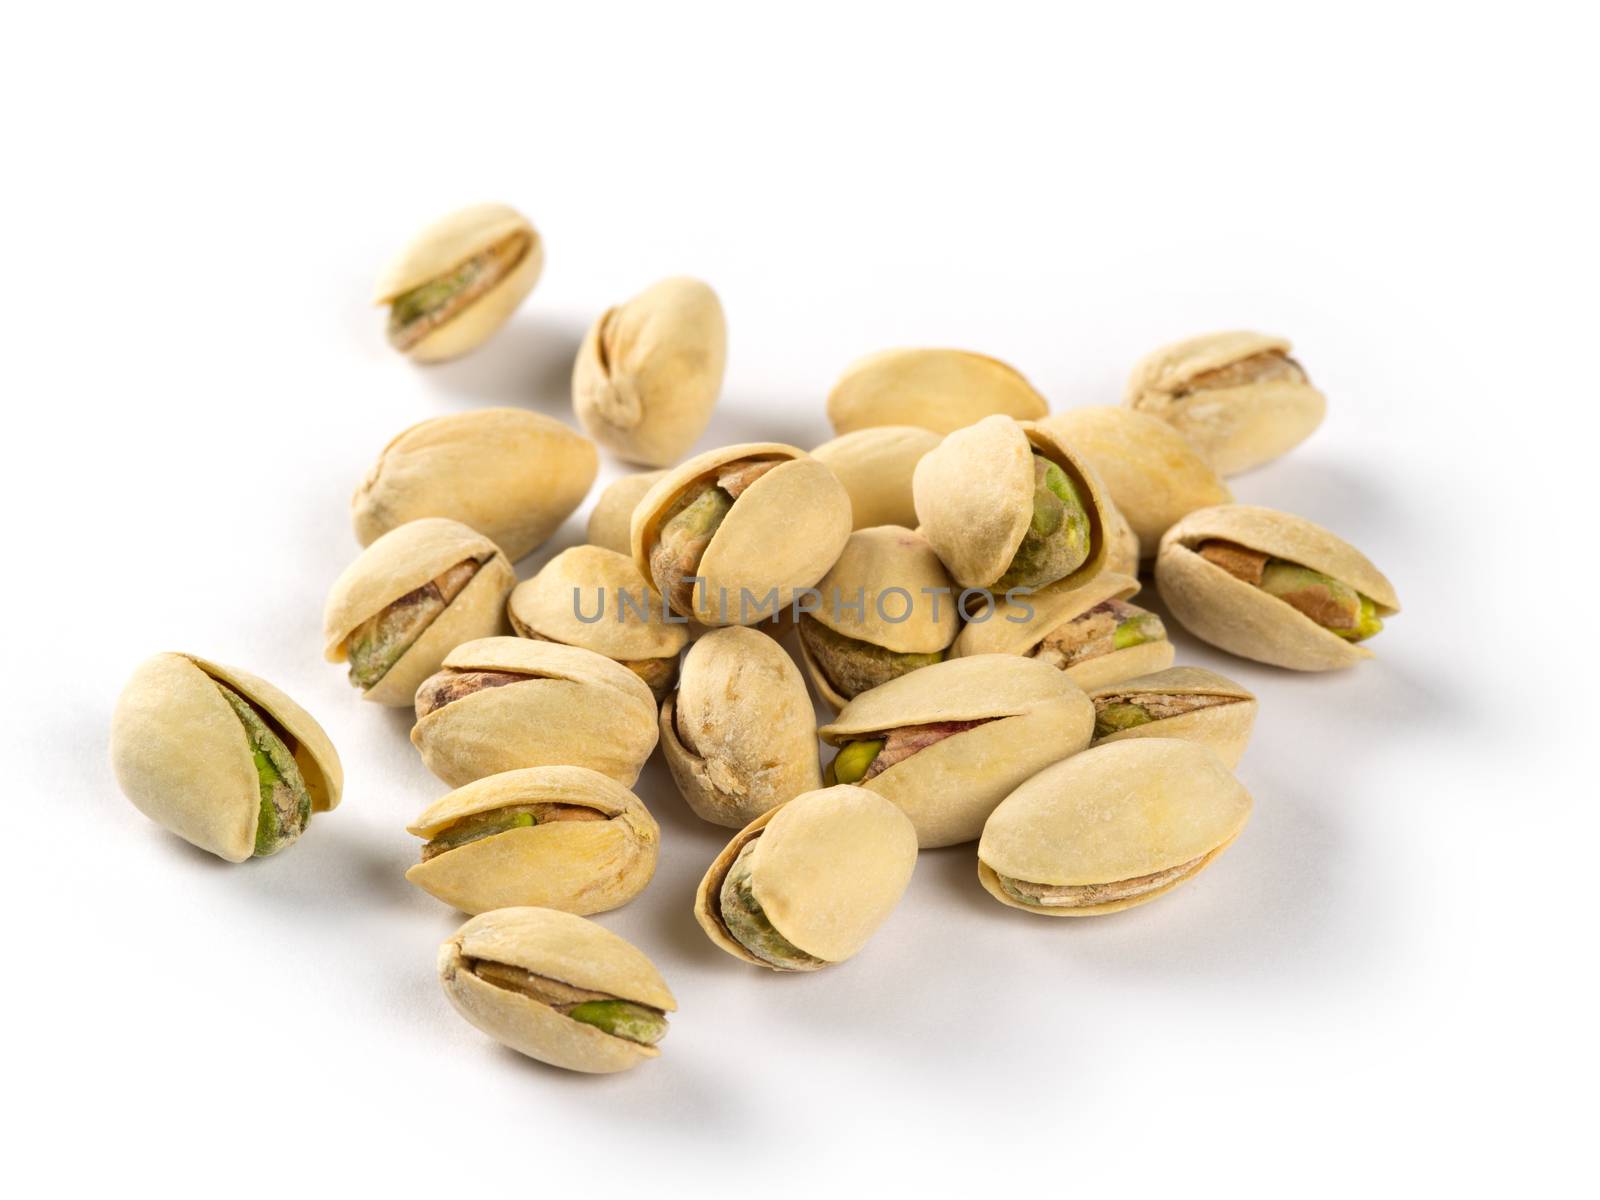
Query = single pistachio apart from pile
x=557 y=988
x=504 y=703
x=459 y=280
x=612 y=516
x=514 y=476
x=805 y=885
x=941 y=390
x=948 y=742
x=1190 y=703
x=411 y=597
x=730 y=536
x=739 y=735
x=1238 y=397
x=1273 y=587
x=887 y=607
x=221 y=758
x=551 y=837
x=1110 y=828
x=597 y=599
x=875 y=466
x=649 y=371
x=1090 y=632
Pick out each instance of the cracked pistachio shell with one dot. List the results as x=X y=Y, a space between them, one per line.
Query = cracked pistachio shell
x=744 y=709
x=577 y=707
x=399 y=562
x=180 y=754
x=648 y=373
x=513 y=476
x=1236 y=427
x=783 y=532
x=1151 y=473
x=828 y=869
x=1018 y=628
x=1122 y=543
x=941 y=390
x=1034 y=716
x=577 y=866
x=1117 y=812
x=1242 y=619
x=612 y=515
x=875 y=466
x=1225 y=728
x=447 y=244
x=559 y=946
x=974 y=498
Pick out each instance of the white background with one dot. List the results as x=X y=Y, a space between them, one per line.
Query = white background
x=1386 y=983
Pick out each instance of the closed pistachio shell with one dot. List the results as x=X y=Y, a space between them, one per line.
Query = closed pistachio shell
x=739 y=735
x=648 y=373
x=826 y=870
x=182 y=756
x=577 y=865
x=941 y=390
x=514 y=476
x=395 y=565
x=612 y=516
x=578 y=957
x=875 y=466
x=1110 y=828
x=1222 y=716
x=574 y=707
x=1032 y=715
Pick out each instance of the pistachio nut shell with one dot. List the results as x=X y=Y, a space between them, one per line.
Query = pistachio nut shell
x=561 y=604
x=612 y=516
x=578 y=708
x=559 y=946
x=576 y=866
x=445 y=245
x=648 y=373
x=875 y=466
x=399 y=562
x=1033 y=716
x=1244 y=620
x=743 y=707
x=514 y=476
x=180 y=756
x=1224 y=728
x=828 y=869
x=941 y=390
x=1117 y=812
x=1122 y=543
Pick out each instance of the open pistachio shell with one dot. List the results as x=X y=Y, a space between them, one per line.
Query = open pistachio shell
x=1122 y=543
x=566 y=960
x=1241 y=618
x=739 y=734
x=1238 y=397
x=612 y=515
x=514 y=476
x=825 y=870
x=941 y=390
x=648 y=373
x=1222 y=718
x=1110 y=828
x=575 y=840
x=183 y=757
x=875 y=466
x=574 y=707
x=443 y=256
x=395 y=565
x=1032 y=715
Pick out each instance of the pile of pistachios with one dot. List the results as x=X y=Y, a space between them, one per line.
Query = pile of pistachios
x=953 y=577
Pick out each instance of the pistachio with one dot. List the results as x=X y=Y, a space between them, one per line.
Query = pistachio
x=1057 y=539
x=648 y=373
x=805 y=885
x=941 y=390
x=1122 y=543
x=1183 y=702
x=612 y=515
x=459 y=280
x=557 y=988
x=221 y=758
x=875 y=466
x=1110 y=828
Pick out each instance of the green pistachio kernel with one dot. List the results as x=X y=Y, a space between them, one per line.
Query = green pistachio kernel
x=854 y=666
x=479 y=826
x=285 y=802
x=1137 y=630
x=854 y=759
x=620 y=1018
x=1057 y=541
x=1112 y=718
x=682 y=539
x=415 y=314
x=1334 y=605
x=747 y=922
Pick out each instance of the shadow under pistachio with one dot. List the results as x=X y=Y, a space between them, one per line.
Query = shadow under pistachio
x=527 y=364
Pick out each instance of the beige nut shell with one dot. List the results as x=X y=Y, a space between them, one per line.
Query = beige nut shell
x=742 y=703
x=1241 y=618
x=828 y=869
x=938 y=389
x=1225 y=728
x=545 y=606
x=579 y=709
x=875 y=466
x=1122 y=543
x=182 y=757
x=558 y=946
x=512 y=475
x=612 y=515
x=1119 y=811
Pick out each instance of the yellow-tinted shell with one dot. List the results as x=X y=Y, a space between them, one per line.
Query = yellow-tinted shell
x=941 y=390
x=612 y=515
x=875 y=466
x=561 y=603
x=1225 y=728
